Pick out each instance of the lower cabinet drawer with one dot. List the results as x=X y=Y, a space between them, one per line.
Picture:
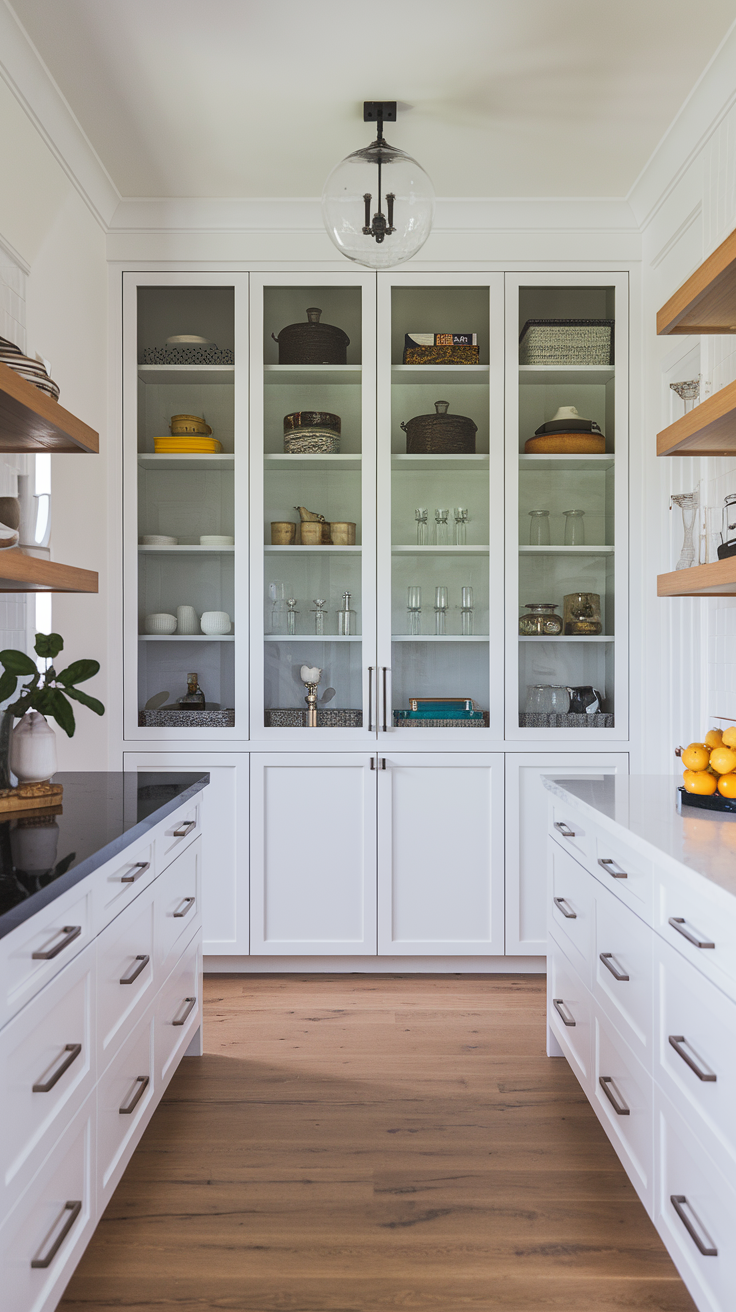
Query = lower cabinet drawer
x=622 y=972
x=176 y=833
x=622 y=1098
x=572 y=908
x=695 y=1211
x=178 y=1011
x=178 y=905
x=569 y=1012
x=36 y=951
x=698 y=919
x=49 y=1227
x=125 y=1095
x=126 y=973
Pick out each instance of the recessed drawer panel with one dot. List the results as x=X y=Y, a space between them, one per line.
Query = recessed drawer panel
x=178 y=1011
x=177 y=833
x=570 y=831
x=569 y=1012
x=699 y=921
x=178 y=905
x=121 y=881
x=572 y=908
x=625 y=873
x=33 y=953
x=622 y=972
x=124 y=1096
x=126 y=973
x=47 y=1069
x=622 y=1097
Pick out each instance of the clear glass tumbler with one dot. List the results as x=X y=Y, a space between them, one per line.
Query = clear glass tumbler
x=414 y=607
x=420 y=515
x=461 y=526
x=538 y=528
x=574 y=528
x=441 y=528
x=466 y=613
x=319 y=613
x=441 y=602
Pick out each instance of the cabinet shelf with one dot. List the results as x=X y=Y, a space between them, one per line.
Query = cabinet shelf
x=186 y=373
x=312 y=637
x=567 y=637
x=436 y=374
x=706 y=302
x=554 y=375
x=186 y=637
x=567 y=551
x=567 y=464
x=31 y=421
x=313 y=551
x=440 y=551
x=184 y=550
x=468 y=464
x=716 y=580
x=439 y=637
x=709 y=429
x=311 y=375
x=315 y=463
x=222 y=462
x=21 y=573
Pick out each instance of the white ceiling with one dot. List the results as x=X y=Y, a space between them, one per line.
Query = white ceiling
x=260 y=98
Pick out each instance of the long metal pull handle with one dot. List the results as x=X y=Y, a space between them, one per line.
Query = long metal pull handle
x=185 y=829
x=384 y=669
x=143 y=1082
x=192 y=1004
x=135 y=972
x=44 y=1086
x=564 y=829
x=558 y=1004
x=608 y=958
x=676 y=1041
x=607 y=1085
x=70 y=932
x=565 y=908
x=371 y=725
x=608 y=863
x=187 y=903
x=679 y=1202
x=139 y=869
x=73 y=1208
x=677 y=922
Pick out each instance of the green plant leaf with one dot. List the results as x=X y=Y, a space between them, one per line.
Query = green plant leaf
x=16 y=662
x=78 y=671
x=48 y=644
x=86 y=700
x=8 y=684
x=61 y=710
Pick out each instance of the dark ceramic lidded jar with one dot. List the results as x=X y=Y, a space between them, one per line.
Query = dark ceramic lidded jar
x=312 y=342
x=440 y=433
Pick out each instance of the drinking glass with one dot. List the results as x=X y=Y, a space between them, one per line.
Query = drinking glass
x=291 y=615
x=442 y=528
x=414 y=607
x=574 y=528
x=319 y=613
x=420 y=516
x=539 y=528
x=466 y=613
x=461 y=529
x=440 y=609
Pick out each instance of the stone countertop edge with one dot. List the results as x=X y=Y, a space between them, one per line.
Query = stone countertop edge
x=25 y=910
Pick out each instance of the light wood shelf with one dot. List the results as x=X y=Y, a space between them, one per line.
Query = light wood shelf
x=716 y=580
x=706 y=303
x=32 y=421
x=21 y=573
x=707 y=430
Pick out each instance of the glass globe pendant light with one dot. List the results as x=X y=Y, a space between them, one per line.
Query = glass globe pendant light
x=378 y=203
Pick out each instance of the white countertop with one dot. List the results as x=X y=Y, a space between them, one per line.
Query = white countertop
x=646 y=807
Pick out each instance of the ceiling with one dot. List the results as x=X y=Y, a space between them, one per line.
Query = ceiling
x=256 y=98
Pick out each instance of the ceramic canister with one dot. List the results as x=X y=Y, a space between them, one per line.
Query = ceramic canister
x=186 y=620
x=33 y=749
x=216 y=622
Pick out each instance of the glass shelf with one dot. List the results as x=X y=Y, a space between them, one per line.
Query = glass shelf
x=186 y=373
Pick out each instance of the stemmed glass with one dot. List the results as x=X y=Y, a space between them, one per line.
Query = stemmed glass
x=440 y=610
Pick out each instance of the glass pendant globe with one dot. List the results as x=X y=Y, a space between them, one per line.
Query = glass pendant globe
x=344 y=206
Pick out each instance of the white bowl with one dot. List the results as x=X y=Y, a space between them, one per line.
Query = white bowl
x=158 y=540
x=160 y=623
x=215 y=622
x=216 y=540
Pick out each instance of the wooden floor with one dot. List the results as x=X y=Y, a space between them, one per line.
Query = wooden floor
x=360 y=1143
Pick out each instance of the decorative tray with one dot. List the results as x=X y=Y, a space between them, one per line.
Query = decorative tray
x=540 y=720
x=172 y=719
x=726 y=805
x=292 y=717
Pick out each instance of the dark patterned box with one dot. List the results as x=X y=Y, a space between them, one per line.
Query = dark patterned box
x=289 y=717
x=171 y=718
x=186 y=355
x=535 y=720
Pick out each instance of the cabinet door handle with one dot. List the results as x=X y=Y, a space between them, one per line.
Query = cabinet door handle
x=558 y=1004
x=679 y=1202
x=384 y=671
x=676 y=1041
x=192 y=1002
x=73 y=1050
x=565 y=908
x=70 y=932
x=608 y=958
x=187 y=904
x=607 y=1085
x=73 y=1208
x=185 y=829
x=143 y=1082
x=564 y=829
x=135 y=972
x=139 y=869
x=677 y=922
x=371 y=725
x=608 y=863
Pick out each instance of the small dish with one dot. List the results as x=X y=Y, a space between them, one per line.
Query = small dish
x=216 y=540
x=188 y=339
x=158 y=540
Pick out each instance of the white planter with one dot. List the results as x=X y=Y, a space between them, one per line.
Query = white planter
x=33 y=749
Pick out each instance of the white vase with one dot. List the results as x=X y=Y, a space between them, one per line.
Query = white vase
x=33 y=749
x=216 y=622
x=186 y=620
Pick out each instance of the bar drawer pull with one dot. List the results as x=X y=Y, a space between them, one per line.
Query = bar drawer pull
x=677 y=922
x=192 y=1002
x=608 y=958
x=185 y=829
x=44 y=1086
x=73 y=1208
x=608 y=863
x=70 y=932
x=188 y=903
x=607 y=1085
x=139 y=869
x=371 y=725
x=143 y=1082
x=708 y=1249
x=564 y=829
x=384 y=727
x=135 y=972
x=676 y=1040
x=558 y=1004
x=565 y=908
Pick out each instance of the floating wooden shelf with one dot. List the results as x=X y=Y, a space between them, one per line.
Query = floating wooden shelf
x=31 y=421
x=706 y=303
x=707 y=430
x=716 y=580
x=21 y=573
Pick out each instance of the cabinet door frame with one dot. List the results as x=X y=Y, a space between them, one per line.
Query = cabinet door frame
x=493 y=946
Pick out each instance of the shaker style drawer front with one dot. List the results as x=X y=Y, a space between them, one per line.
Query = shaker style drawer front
x=178 y=1011
x=126 y=977
x=572 y=908
x=622 y=972
x=625 y=873
x=176 y=833
x=622 y=1097
x=699 y=921
x=570 y=831
x=120 y=882
x=569 y=1012
x=36 y=951
x=47 y=1069
x=178 y=905
x=124 y=1100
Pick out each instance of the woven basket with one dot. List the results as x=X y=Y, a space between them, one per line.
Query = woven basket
x=311 y=419
x=441 y=355
x=566 y=341
x=312 y=342
x=314 y=443
x=440 y=433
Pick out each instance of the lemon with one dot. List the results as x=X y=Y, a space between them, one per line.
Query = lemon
x=713 y=738
x=729 y=736
x=727 y=785
x=723 y=759
x=699 y=781
x=696 y=757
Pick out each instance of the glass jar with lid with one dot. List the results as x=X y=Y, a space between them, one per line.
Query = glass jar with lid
x=541 y=620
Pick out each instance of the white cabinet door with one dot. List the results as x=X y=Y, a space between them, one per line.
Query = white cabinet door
x=313 y=854
x=440 y=836
x=224 y=842
x=526 y=837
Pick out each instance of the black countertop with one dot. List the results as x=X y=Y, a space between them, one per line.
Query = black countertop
x=102 y=813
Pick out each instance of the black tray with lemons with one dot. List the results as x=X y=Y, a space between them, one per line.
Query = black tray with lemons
x=709 y=780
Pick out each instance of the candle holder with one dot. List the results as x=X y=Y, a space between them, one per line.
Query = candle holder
x=310 y=676
x=688 y=503
x=688 y=392
x=291 y=615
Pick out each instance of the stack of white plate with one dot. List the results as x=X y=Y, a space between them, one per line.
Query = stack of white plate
x=32 y=370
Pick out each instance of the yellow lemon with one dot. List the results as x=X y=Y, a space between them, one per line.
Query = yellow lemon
x=699 y=781
x=696 y=756
x=727 y=785
x=723 y=759
x=714 y=737
x=729 y=736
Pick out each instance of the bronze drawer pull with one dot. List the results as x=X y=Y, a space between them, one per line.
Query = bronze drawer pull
x=73 y=1209
x=561 y=902
x=371 y=725
x=70 y=932
x=384 y=670
x=188 y=904
x=606 y=862
x=607 y=958
x=192 y=1004
x=564 y=829
x=143 y=1082
x=73 y=1049
x=679 y=1202
x=677 y=921
x=185 y=829
x=620 y=1108
x=707 y=1076
x=558 y=1004
x=135 y=972
x=139 y=869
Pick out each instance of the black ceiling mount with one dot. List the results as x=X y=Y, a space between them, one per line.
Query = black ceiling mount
x=373 y=110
